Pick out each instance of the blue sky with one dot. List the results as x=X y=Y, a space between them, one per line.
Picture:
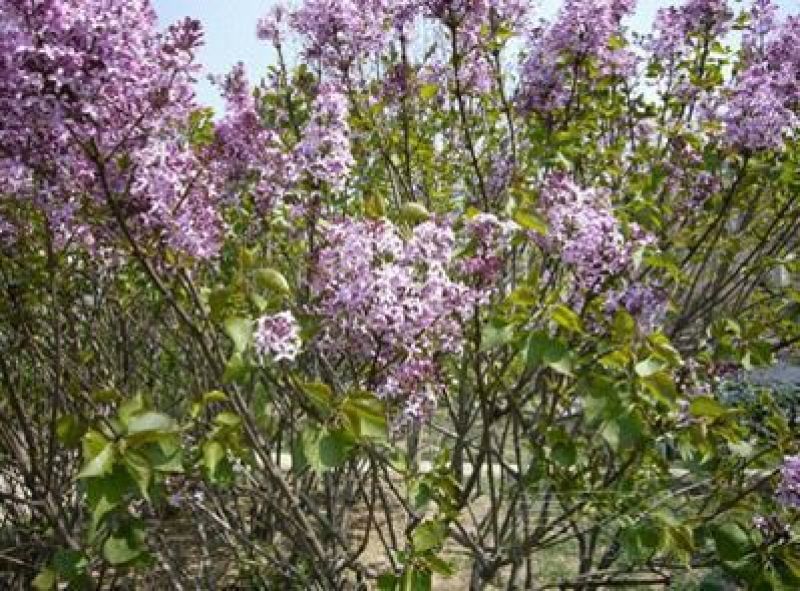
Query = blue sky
x=230 y=32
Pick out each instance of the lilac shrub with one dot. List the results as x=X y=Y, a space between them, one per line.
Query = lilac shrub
x=449 y=287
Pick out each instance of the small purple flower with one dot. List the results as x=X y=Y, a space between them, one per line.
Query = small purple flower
x=277 y=337
x=788 y=492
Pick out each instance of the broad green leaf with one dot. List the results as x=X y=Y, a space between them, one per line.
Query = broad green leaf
x=130 y=407
x=46 y=580
x=623 y=326
x=428 y=535
x=321 y=394
x=213 y=453
x=368 y=416
x=731 y=541
x=70 y=429
x=235 y=369
x=428 y=91
x=564 y=453
x=272 y=280
x=240 y=331
x=140 y=470
x=334 y=448
x=705 y=406
x=530 y=221
x=149 y=421
x=100 y=464
x=542 y=349
x=439 y=566
x=495 y=335
x=124 y=546
x=649 y=366
x=388 y=582
x=662 y=387
x=566 y=318
x=104 y=494
x=414 y=213
x=227 y=419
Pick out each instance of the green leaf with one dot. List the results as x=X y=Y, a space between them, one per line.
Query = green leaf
x=439 y=566
x=213 y=453
x=45 y=581
x=235 y=369
x=388 y=582
x=368 y=416
x=334 y=449
x=415 y=579
x=140 y=470
x=731 y=541
x=100 y=464
x=70 y=429
x=125 y=545
x=623 y=431
x=662 y=387
x=105 y=494
x=705 y=406
x=564 y=453
x=428 y=535
x=150 y=421
x=228 y=419
x=649 y=366
x=414 y=213
x=566 y=318
x=165 y=456
x=272 y=280
x=240 y=331
x=623 y=327
x=70 y=564
x=321 y=394
x=130 y=407
x=531 y=222
x=496 y=335
x=542 y=349
x=428 y=91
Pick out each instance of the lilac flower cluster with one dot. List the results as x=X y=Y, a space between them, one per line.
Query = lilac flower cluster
x=246 y=153
x=646 y=303
x=324 y=151
x=582 y=31
x=788 y=492
x=341 y=32
x=272 y=26
x=277 y=337
x=583 y=230
x=488 y=238
x=677 y=27
x=766 y=92
x=390 y=303
x=757 y=115
x=91 y=94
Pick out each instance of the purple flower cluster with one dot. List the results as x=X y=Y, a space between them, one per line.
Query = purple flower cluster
x=582 y=31
x=646 y=303
x=766 y=92
x=324 y=151
x=678 y=27
x=92 y=95
x=271 y=27
x=584 y=231
x=488 y=238
x=390 y=303
x=277 y=337
x=247 y=155
x=788 y=492
x=341 y=32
